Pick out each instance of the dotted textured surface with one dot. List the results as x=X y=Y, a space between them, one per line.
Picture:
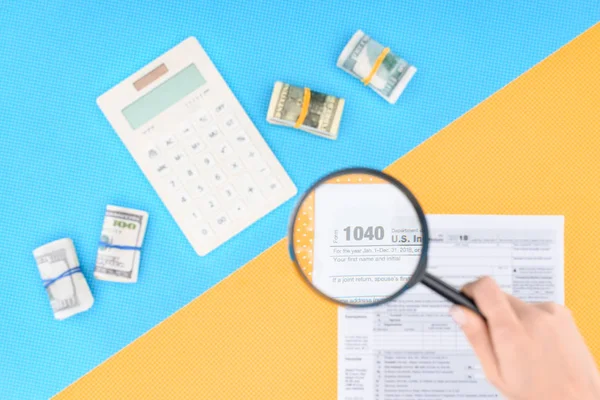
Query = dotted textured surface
x=532 y=148
x=61 y=164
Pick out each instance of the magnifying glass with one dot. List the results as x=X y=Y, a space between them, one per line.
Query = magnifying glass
x=359 y=237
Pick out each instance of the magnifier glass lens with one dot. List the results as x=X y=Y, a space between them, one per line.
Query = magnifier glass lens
x=357 y=238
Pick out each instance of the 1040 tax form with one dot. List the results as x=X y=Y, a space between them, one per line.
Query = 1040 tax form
x=410 y=348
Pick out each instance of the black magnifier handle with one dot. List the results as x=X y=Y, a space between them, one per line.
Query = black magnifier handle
x=449 y=292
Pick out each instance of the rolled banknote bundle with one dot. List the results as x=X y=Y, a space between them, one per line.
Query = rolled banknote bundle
x=304 y=109
x=65 y=285
x=376 y=66
x=120 y=246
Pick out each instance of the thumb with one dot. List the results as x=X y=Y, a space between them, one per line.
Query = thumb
x=478 y=335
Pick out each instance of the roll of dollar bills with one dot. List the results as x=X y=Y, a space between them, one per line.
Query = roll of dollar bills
x=376 y=66
x=63 y=280
x=304 y=109
x=120 y=244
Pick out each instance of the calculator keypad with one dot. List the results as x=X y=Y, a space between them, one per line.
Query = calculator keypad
x=217 y=178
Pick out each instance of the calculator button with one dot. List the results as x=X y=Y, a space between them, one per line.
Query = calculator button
x=221 y=221
x=173 y=183
x=261 y=168
x=251 y=157
x=234 y=166
x=190 y=172
x=152 y=153
x=229 y=192
x=250 y=190
x=209 y=204
x=220 y=109
x=272 y=185
x=239 y=210
x=178 y=158
x=168 y=142
x=185 y=129
x=195 y=215
x=183 y=198
x=204 y=231
x=218 y=176
x=202 y=118
x=225 y=150
x=241 y=139
x=197 y=189
x=195 y=145
x=206 y=161
x=212 y=134
x=264 y=170
x=246 y=186
x=163 y=170
x=230 y=123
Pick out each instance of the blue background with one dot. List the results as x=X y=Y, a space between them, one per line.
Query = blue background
x=61 y=163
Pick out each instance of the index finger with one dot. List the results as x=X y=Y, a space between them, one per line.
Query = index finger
x=493 y=303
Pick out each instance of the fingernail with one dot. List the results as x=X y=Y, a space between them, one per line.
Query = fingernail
x=458 y=315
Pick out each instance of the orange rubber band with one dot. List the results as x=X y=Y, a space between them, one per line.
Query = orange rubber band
x=376 y=66
x=304 y=111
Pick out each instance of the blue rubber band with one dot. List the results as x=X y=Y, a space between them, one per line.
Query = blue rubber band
x=69 y=272
x=116 y=246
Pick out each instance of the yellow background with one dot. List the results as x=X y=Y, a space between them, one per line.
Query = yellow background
x=532 y=148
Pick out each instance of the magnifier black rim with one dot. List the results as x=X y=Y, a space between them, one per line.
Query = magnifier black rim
x=421 y=266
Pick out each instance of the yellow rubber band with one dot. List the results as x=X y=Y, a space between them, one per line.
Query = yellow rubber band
x=304 y=111
x=366 y=80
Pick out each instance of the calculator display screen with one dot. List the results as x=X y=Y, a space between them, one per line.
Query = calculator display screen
x=163 y=96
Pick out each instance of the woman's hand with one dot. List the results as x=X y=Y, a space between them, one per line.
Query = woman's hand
x=528 y=351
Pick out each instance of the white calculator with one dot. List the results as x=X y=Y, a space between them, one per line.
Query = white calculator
x=196 y=145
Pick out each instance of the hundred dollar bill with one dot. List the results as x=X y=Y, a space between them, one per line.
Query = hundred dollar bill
x=120 y=245
x=65 y=285
x=389 y=79
x=322 y=117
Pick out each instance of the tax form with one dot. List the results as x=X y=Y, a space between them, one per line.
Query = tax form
x=410 y=348
x=359 y=256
